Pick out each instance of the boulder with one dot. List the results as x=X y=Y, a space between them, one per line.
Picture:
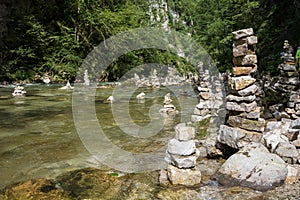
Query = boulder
x=287 y=152
x=241 y=82
x=183 y=148
x=187 y=177
x=254 y=167
x=237 y=137
x=242 y=33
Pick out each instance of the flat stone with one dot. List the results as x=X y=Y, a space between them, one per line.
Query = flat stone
x=241 y=82
x=247 y=91
x=205 y=95
x=197 y=118
x=254 y=167
x=251 y=125
x=287 y=67
x=250 y=59
x=240 y=98
x=236 y=137
x=184 y=161
x=240 y=50
x=295 y=124
x=243 y=107
x=187 y=177
x=241 y=70
x=183 y=148
x=184 y=133
x=215 y=104
x=251 y=40
x=242 y=33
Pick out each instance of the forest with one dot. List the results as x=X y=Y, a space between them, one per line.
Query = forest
x=53 y=37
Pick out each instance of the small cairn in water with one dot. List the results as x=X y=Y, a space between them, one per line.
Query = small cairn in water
x=168 y=106
x=244 y=123
x=181 y=156
x=19 y=91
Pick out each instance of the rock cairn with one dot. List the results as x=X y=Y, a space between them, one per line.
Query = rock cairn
x=289 y=78
x=181 y=156
x=211 y=108
x=168 y=106
x=244 y=124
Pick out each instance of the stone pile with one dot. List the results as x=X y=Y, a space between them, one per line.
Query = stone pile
x=289 y=78
x=282 y=138
x=181 y=156
x=210 y=99
x=244 y=123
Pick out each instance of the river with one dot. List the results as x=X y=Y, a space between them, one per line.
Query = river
x=38 y=138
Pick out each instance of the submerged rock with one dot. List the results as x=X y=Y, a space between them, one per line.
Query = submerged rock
x=254 y=167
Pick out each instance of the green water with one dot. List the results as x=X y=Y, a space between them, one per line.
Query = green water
x=38 y=138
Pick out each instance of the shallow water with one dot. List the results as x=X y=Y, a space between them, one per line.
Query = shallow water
x=38 y=138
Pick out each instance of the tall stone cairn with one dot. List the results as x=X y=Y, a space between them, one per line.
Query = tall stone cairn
x=289 y=78
x=243 y=124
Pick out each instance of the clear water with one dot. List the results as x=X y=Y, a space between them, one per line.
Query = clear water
x=38 y=138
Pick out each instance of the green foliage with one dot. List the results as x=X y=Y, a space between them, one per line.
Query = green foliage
x=55 y=36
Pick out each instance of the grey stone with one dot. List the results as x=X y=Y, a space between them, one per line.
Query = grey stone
x=197 y=118
x=251 y=40
x=183 y=148
x=240 y=50
x=185 y=161
x=184 y=133
x=187 y=177
x=295 y=124
x=252 y=125
x=240 y=98
x=241 y=82
x=248 y=90
x=273 y=138
x=287 y=152
x=250 y=59
x=253 y=115
x=242 y=33
x=236 y=137
x=253 y=166
x=243 y=107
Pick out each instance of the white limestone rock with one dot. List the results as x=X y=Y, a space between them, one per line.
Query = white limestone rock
x=253 y=166
x=241 y=82
x=183 y=148
x=242 y=33
x=187 y=177
x=184 y=133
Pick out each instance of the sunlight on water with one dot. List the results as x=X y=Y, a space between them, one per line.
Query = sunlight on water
x=38 y=137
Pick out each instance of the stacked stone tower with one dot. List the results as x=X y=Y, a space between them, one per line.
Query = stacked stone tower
x=181 y=156
x=243 y=124
x=288 y=79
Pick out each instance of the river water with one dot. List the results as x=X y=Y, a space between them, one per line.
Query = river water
x=38 y=138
